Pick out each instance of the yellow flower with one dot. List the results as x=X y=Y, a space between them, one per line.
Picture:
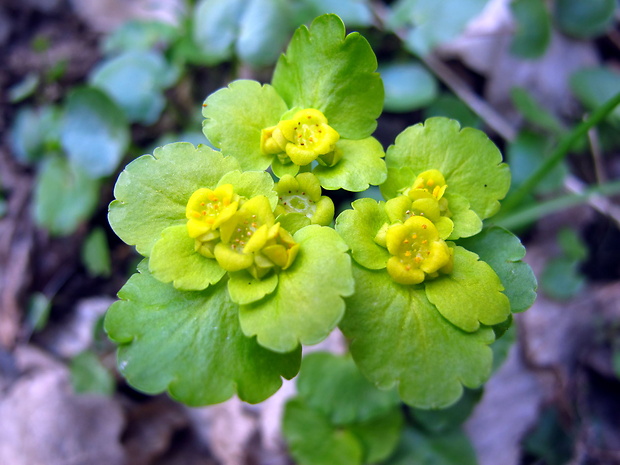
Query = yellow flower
x=430 y=183
x=251 y=241
x=302 y=194
x=207 y=209
x=302 y=139
x=417 y=251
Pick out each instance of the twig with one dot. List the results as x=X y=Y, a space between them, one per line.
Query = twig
x=491 y=117
x=595 y=148
x=560 y=152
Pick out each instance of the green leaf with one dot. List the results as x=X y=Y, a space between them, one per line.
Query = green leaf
x=39 y=307
x=35 y=132
x=235 y=116
x=88 y=375
x=408 y=86
x=333 y=385
x=352 y=12
x=448 y=419
x=308 y=302
x=96 y=254
x=466 y=222
x=398 y=337
x=572 y=245
x=561 y=278
x=504 y=341
x=152 y=192
x=447 y=448
x=174 y=259
x=361 y=164
x=312 y=440
x=535 y=113
x=380 y=435
x=24 y=88
x=140 y=35
x=190 y=344
x=94 y=132
x=279 y=169
x=469 y=161
x=325 y=70
x=63 y=196
x=215 y=28
x=359 y=226
x=584 y=19
x=503 y=251
x=470 y=294
x=433 y=22
x=594 y=86
x=526 y=154
x=293 y=222
x=264 y=29
x=244 y=289
x=135 y=81
x=533 y=32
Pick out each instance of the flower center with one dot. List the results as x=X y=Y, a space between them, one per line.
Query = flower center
x=429 y=183
x=207 y=209
x=417 y=251
x=302 y=139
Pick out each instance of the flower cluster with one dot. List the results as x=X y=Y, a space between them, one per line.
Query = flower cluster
x=240 y=270
x=241 y=234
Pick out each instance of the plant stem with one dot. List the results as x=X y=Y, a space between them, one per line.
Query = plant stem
x=559 y=154
x=537 y=211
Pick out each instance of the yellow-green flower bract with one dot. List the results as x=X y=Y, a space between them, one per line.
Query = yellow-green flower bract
x=302 y=194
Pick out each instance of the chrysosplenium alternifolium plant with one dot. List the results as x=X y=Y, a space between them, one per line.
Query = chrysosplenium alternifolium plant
x=239 y=271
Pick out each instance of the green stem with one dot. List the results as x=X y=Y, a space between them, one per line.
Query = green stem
x=559 y=154
x=533 y=213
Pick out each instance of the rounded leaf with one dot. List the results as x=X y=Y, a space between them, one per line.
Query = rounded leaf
x=308 y=302
x=94 y=132
x=359 y=227
x=361 y=165
x=503 y=251
x=397 y=337
x=325 y=70
x=190 y=344
x=153 y=190
x=135 y=81
x=470 y=294
x=470 y=163
x=174 y=259
x=235 y=117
